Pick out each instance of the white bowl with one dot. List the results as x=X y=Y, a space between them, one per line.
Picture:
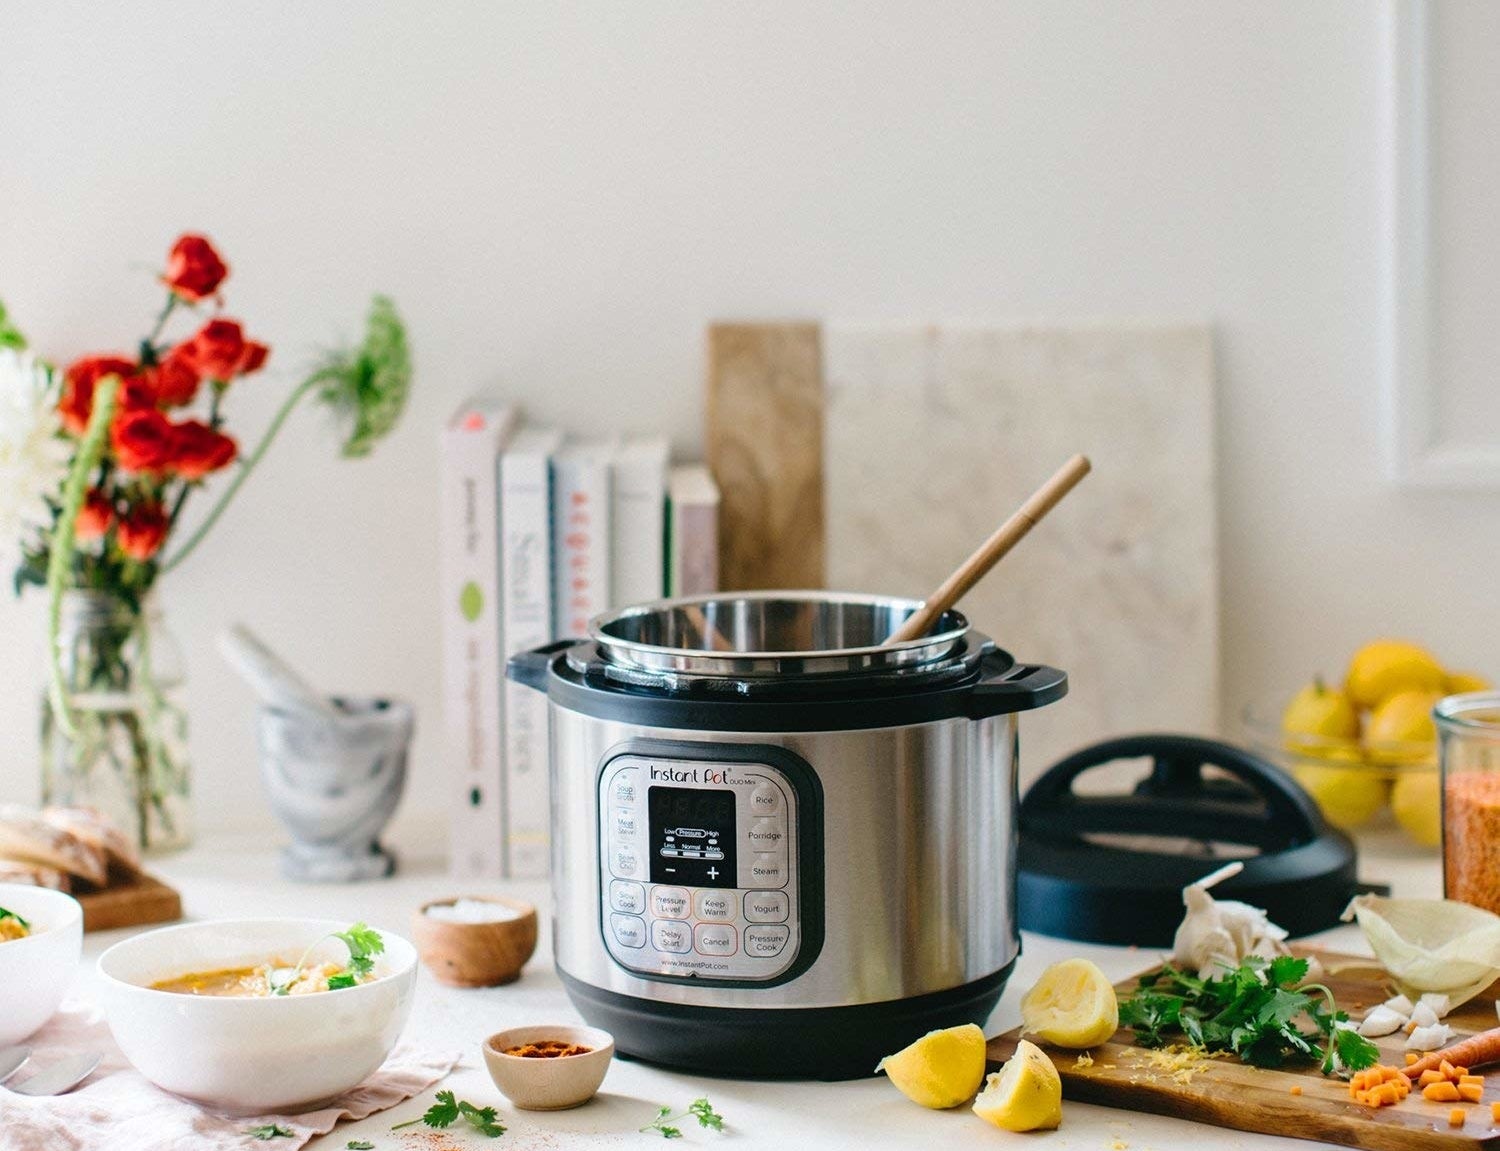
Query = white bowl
x=252 y=1056
x=36 y=972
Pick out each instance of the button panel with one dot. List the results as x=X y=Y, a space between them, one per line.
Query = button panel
x=698 y=863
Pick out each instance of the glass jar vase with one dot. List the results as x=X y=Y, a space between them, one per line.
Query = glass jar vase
x=126 y=752
x=1469 y=749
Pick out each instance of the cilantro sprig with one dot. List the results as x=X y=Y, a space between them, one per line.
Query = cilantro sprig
x=6 y=913
x=363 y=942
x=1251 y=1010
x=699 y=1109
x=448 y=1110
x=268 y=1131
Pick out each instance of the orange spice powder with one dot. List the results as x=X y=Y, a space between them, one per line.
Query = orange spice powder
x=1471 y=838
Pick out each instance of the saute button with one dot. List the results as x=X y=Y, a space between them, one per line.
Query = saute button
x=715 y=939
x=769 y=868
x=625 y=788
x=765 y=799
x=768 y=834
x=671 y=935
x=627 y=897
x=715 y=905
x=630 y=930
x=624 y=861
x=670 y=902
x=765 y=907
x=764 y=942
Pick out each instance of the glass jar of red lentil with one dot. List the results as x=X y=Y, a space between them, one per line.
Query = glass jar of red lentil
x=1469 y=742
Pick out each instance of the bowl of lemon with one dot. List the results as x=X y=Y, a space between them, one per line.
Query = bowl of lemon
x=1366 y=745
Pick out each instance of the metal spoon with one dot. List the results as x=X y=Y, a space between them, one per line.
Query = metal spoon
x=12 y=1059
x=60 y=1077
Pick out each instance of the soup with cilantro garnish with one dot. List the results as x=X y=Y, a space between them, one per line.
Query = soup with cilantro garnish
x=277 y=977
x=12 y=926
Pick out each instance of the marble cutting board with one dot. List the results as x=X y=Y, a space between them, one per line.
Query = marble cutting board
x=935 y=432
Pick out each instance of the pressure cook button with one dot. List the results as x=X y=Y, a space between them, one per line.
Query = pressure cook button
x=625 y=788
x=670 y=902
x=764 y=942
x=627 y=897
x=671 y=935
x=769 y=869
x=765 y=907
x=768 y=834
x=765 y=799
x=630 y=930
x=715 y=905
x=624 y=861
x=715 y=939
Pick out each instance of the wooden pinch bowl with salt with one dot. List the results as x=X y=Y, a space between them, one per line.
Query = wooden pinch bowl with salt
x=475 y=941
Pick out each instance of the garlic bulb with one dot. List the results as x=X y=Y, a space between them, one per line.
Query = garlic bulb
x=1218 y=934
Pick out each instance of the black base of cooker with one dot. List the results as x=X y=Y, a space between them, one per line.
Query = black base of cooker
x=780 y=1043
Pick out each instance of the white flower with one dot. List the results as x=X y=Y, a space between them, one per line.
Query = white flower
x=33 y=456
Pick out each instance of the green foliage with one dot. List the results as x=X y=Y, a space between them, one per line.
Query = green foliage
x=360 y=1145
x=1250 y=1010
x=367 y=386
x=363 y=942
x=699 y=1109
x=268 y=1131
x=5 y=913
x=10 y=335
x=448 y=1110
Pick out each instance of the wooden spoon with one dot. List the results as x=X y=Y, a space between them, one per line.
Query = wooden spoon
x=989 y=553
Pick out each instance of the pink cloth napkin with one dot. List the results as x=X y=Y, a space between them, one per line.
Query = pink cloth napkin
x=118 y=1110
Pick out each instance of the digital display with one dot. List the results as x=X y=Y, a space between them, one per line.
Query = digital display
x=692 y=836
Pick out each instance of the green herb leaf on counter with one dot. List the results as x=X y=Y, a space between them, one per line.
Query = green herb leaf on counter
x=268 y=1131
x=447 y=1111
x=7 y=914
x=699 y=1109
x=360 y=1145
x=1250 y=1010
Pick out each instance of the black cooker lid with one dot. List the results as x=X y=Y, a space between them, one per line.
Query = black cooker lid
x=1110 y=867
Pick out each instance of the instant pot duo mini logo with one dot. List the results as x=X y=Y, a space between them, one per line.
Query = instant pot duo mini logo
x=663 y=773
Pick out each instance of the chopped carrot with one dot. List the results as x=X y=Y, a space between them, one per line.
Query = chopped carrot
x=1441 y=1092
x=1410 y=1027
x=1475 y=1051
x=1495 y=1112
x=1448 y=1070
x=1456 y=1117
x=1386 y=1095
x=1295 y=1089
x=1460 y=1071
x=1479 y=1079
x=1411 y=1057
x=1470 y=1092
x=1363 y=1097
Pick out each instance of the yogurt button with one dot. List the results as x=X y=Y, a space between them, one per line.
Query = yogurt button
x=766 y=906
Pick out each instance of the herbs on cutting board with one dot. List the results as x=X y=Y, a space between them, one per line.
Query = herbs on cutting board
x=1251 y=1010
x=363 y=942
x=699 y=1109
x=448 y=1110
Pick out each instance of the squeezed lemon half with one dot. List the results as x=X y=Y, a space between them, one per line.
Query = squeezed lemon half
x=1072 y=1005
x=940 y=1070
x=1025 y=1094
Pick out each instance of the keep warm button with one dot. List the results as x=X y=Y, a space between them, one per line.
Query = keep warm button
x=765 y=942
x=768 y=834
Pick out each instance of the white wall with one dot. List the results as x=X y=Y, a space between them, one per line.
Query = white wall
x=560 y=196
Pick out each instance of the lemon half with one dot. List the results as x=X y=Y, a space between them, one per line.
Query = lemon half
x=1072 y=1005
x=1025 y=1094
x=940 y=1070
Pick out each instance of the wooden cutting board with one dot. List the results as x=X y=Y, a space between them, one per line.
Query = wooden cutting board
x=1228 y=1093
x=140 y=901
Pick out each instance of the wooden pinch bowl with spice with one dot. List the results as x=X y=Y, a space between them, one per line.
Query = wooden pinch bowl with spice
x=467 y=953
x=527 y=1066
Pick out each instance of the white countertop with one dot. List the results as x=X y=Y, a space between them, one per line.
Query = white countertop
x=235 y=878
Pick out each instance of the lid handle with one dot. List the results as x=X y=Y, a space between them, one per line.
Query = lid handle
x=1006 y=687
x=530 y=668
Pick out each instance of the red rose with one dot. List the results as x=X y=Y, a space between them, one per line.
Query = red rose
x=194 y=269
x=78 y=388
x=220 y=351
x=143 y=441
x=143 y=531
x=174 y=382
x=254 y=358
x=198 y=449
x=94 y=517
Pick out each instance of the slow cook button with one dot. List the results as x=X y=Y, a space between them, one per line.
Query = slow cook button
x=715 y=939
x=765 y=799
x=764 y=942
x=630 y=930
x=625 y=788
x=671 y=935
x=715 y=905
x=670 y=902
x=624 y=861
x=768 y=834
x=627 y=897
x=769 y=869
x=766 y=907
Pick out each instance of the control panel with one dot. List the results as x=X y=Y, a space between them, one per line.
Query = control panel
x=699 y=867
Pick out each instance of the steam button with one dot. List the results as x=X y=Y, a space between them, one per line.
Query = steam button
x=630 y=930
x=672 y=936
x=670 y=902
x=768 y=869
x=765 y=942
x=765 y=907
x=715 y=939
x=627 y=897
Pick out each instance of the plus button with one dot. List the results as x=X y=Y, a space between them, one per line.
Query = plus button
x=713 y=873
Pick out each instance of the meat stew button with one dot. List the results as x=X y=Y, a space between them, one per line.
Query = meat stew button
x=715 y=939
x=764 y=942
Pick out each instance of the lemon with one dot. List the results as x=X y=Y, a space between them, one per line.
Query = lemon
x=1322 y=713
x=1381 y=669
x=1024 y=1095
x=1461 y=681
x=1415 y=802
x=1348 y=796
x=941 y=1069
x=1401 y=730
x=1072 y=1005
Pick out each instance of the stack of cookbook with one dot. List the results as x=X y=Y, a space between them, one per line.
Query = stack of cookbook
x=541 y=531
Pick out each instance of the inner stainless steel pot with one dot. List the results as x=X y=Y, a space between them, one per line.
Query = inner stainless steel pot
x=739 y=635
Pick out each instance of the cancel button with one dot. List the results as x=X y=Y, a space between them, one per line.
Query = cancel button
x=765 y=942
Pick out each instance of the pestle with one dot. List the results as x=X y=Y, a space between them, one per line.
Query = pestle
x=273 y=679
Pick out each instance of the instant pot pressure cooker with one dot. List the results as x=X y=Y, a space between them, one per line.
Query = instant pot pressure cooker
x=779 y=846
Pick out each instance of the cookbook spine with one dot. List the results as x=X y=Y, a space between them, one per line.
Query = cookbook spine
x=580 y=540
x=693 y=533
x=639 y=505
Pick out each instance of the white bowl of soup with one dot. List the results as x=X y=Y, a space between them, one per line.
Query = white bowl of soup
x=209 y=1011
x=41 y=938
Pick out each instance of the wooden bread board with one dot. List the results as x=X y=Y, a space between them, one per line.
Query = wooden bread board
x=130 y=903
x=1228 y=1093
